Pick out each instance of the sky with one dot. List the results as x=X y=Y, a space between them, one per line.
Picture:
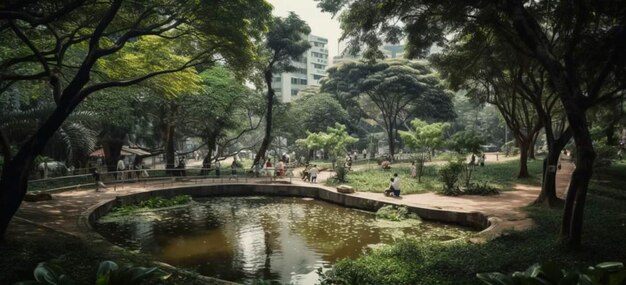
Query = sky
x=322 y=24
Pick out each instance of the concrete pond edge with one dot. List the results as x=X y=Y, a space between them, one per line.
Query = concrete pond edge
x=488 y=226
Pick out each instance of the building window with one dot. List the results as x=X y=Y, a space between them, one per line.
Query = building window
x=318 y=44
x=294 y=80
x=302 y=81
x=317 y=77
x=294 y=92
x=276 y=79
x=319 y=66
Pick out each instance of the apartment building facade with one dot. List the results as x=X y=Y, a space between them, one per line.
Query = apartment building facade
x=310 y=68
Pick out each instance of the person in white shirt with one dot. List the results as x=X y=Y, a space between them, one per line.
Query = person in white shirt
x=120 y=169
x=313 y=173
x=396 y=185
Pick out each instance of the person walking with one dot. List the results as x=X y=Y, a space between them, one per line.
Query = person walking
x=96 y=178
x=313 y=172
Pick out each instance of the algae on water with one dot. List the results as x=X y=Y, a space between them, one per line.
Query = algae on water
x=395 y=213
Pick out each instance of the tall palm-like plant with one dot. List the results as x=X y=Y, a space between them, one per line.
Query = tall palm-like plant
x=72 y=143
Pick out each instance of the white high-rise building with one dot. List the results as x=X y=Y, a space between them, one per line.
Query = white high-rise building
x=310 y=68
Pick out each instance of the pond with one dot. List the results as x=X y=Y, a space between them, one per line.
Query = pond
x=243 y=239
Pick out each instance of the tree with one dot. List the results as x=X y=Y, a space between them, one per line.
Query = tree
x=314 y=111
x=466 y=142
x=391 y=85
x=220 y=113
x=490 y=74
x=425 y=136
x=335 y=140
x=580 y=44
x=63 y=43
x=285 y=41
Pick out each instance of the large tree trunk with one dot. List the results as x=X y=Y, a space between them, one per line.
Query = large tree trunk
x=548 y=195
x=524 y=145
x=548 y=186
x=533 y=145
x=14 y=179
x=571 y=228
x=268 y=118
x=392 y=143
x=206 y=162
x=170 y=149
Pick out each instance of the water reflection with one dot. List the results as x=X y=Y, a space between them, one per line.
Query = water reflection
x=246 y=238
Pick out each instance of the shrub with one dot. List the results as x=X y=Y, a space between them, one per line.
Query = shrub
x=341 y=173
x=449 y=175
x=480 y=189
x=51 y=272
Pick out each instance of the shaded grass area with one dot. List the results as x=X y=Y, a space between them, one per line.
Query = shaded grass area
x=500 y=175
x=28 y=245
x=604 y=184
x=424 y=262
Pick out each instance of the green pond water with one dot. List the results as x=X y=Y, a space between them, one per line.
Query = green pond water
x=243 y=239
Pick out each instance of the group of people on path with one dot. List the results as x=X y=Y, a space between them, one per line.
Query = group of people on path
x=265 y=166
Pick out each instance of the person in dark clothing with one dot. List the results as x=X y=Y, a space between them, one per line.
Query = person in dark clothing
x=96 y=178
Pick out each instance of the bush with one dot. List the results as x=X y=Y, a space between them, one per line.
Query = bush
x=51 y=272
x=480 y=189
x=341 y=173
x=449 y=175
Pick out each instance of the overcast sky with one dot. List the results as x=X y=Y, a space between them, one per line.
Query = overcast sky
x=322 y=24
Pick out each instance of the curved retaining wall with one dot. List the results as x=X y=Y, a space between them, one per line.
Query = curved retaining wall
x=474 y=220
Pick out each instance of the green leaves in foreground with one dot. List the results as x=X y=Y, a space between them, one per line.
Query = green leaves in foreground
x=109 y=273
x=606 y=273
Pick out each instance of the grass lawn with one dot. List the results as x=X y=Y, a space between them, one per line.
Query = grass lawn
x=424 y=262
x=501 y=175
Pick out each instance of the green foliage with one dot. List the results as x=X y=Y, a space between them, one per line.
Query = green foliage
x=424 y=262
x=395 y=213
x=286 y=40
x=606 y=273
x=466 y=142
x=480 y=189
x=424 y=136
x=334 y=140
x=341 y=173
x=109 y=273
x=449 y=174
x=381 y=90
x=154 y=203
x=314 y=111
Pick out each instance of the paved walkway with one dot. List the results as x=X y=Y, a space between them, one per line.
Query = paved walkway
x=62 y=212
